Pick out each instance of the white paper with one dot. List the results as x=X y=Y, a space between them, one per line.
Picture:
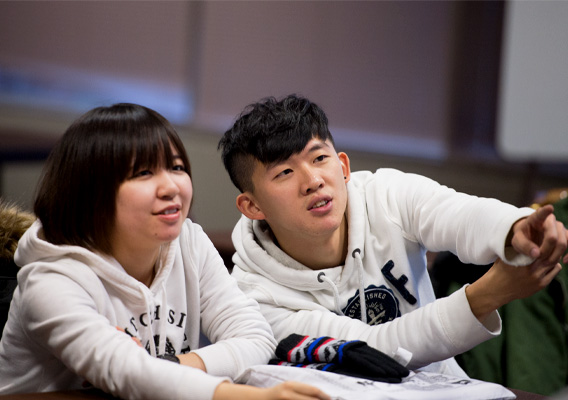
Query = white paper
x=420 y=385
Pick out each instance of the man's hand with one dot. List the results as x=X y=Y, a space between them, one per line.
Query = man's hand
x=541 y=236
x=504 y=283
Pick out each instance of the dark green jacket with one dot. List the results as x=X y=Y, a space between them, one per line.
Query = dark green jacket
x=531 y=354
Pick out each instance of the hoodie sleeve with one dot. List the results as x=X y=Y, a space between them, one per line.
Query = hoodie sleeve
x=240 y=335
x=473 y=228
x=448 y=327
x=61 y=319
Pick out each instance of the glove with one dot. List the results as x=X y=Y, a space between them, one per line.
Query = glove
x=338 y=369
x=353 y=358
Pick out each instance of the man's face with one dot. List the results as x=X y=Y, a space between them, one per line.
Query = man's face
x=303 y=197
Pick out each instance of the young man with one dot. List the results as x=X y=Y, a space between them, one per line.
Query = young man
x=317 y=243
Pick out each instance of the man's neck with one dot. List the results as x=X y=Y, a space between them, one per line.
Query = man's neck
x=321 y=252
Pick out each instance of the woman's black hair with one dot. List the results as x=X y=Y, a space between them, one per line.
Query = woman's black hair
x=76 y=197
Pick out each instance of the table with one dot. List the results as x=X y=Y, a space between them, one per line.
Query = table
x=94 y=394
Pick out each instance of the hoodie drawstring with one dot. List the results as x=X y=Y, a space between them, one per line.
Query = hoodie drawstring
x=149 y=311
x=322 y=278
x=161 y=330
x=161 y=326
x=357 y=256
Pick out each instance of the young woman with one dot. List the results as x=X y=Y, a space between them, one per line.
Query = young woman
x=116 y=282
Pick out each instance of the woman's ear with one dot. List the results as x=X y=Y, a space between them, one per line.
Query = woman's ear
x=248 y=207
x=345 y=166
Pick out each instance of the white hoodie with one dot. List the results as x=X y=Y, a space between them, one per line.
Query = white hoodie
x=62 y=326
x=393 y=218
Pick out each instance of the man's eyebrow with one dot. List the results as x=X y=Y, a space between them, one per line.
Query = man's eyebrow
x=318 y=146
x=273 y=164
x=314 y=147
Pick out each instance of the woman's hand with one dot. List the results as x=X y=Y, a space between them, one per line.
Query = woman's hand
x=285 y=391
x=192 y=360
x=295 y=390
x=136 y=340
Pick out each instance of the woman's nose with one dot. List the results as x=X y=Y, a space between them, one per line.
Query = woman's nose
x=167 y=186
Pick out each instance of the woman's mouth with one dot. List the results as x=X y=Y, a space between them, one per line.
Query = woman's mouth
x=173 y=209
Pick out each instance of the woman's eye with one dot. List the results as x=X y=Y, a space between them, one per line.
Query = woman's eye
x=143 y=172
x=179 y=167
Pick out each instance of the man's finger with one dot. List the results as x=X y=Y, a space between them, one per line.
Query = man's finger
x=560 y=244
x=537 y=219
x=522 y=243
x=553 y=242
x=546 y=237
x=551 y=274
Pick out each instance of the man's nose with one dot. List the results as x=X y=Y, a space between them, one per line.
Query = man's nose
x=312 y=182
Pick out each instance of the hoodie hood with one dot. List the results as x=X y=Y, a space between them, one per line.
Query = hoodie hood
x=257 y=253
x=33 y=249
x=34 y=253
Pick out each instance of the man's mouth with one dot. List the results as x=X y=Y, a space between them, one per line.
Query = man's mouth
x=319 y=204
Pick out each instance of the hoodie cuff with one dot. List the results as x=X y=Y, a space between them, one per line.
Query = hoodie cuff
x=469 y=332
x=507 y=253
x=216 y=357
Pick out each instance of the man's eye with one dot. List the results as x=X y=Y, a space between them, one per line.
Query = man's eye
x=285 y=172
x=321 y=158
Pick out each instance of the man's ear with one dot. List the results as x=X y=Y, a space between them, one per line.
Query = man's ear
x=247 y=206
x=345 y=166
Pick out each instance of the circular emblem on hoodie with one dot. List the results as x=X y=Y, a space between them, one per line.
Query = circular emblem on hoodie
x=382 y=305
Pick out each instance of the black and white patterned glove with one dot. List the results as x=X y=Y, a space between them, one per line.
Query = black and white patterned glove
x=353 y=358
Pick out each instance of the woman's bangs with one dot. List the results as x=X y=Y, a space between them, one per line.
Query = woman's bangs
x=152 y=150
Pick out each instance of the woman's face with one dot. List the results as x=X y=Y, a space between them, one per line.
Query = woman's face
x=151 y=206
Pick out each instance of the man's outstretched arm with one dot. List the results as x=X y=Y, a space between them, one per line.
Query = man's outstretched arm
x=504 y=283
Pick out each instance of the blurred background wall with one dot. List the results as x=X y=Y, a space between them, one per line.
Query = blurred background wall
x=417 y=86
